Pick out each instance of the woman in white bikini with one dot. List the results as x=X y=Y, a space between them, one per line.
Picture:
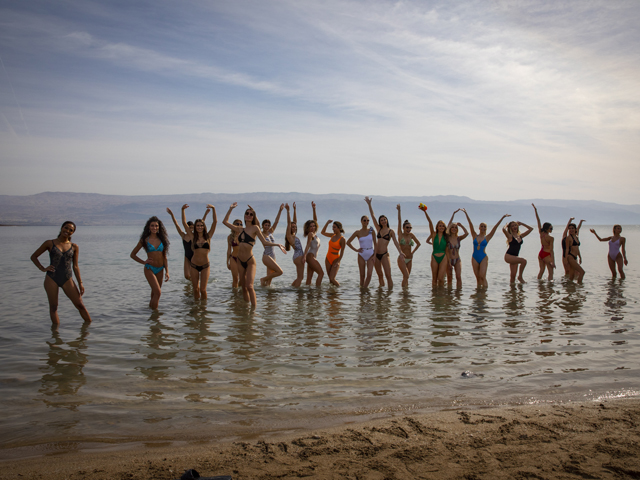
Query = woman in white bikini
x=367 y=241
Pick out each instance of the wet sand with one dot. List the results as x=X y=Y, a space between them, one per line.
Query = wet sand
x=575 y=440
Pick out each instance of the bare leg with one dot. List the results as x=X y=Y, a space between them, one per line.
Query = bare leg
x=362 y=267
x=482 y=270
x=620 y=263
x=273 y=270
x=195 y=281
x=71 y=291
x=314 y=266
x=155 y=282
x=299 y=263
x=404 y=270
x=515 y=262
x=575 y=266
x=332 y=271
x=442 y=270
x=204 y=279
x=249 y=276
x=51 y=288
x=612 y=265
x=378 y=267
x=434 y=271
x=234 y=273
x=458 y=269
x=370 y=268
x=386 y=265
x=476 y=271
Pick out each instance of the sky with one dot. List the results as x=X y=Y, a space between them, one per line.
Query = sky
x=494 y=100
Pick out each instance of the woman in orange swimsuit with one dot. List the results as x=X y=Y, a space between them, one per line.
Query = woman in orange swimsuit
x=336 y=250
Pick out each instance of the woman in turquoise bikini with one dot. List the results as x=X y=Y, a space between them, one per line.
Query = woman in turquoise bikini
x=479 y=259
x=155 y=242
x=407 y=240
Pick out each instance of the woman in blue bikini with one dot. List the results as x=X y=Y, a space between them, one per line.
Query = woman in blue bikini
x=479 y=259
x=155 y=242
x=63 y=257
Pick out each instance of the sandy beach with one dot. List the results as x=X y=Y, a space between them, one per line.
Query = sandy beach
x=576 y=440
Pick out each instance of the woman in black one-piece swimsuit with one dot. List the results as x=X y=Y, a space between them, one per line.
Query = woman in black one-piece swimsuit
x=63 y=257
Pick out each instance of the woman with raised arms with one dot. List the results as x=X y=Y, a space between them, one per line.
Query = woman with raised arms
x=291 y=239
x=546 y=257
x=514 y=239
x=479 y=258
x=573 y=253
x=563 y=242
x=453 y=251
x=616 y=244
x=232 y=254
x=269 y=256
x=385 y=235
x=438 y=238
x=200 y=240
x=188 y=251
x=155 y=242
x=335 y=251
x=63 y=263
x=246 y=240
x=407 y=240
x=311 y=251
x=366 y=259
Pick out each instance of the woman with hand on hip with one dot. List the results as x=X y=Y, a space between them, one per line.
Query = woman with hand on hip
x=246 y=240
x=479 y=258
x=188 y=251
x=514 y=240
x=366 y=257
x=155 y=242
x=546 y=257
x=63 y=256
x=269 y=256
x=201 y=244
x=385 y=235
x=616 y=244
x=335 y=251
x=291 y=239
x=407 y=240
x=311 y=229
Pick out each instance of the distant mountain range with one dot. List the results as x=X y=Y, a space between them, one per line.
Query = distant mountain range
x=53 y=208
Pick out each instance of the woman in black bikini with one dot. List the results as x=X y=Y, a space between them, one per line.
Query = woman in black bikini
x=188 y=252
x=232 y=254
x=200 y=244
x=246 y=240
x=573 y=253
x=155 y=242
x=385 y=234
x=63 y=264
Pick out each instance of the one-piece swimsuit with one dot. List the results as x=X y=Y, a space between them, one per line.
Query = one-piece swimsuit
x=62 y=262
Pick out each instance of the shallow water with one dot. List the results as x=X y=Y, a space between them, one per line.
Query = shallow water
x=305 y=357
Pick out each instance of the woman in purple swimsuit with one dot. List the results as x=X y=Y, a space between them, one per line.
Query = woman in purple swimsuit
x=616 y=245
x=64 y=263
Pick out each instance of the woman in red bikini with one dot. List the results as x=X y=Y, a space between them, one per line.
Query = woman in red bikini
x=546 y=258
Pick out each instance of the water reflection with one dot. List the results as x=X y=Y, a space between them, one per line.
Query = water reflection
x=160 y=342
x=63 y=374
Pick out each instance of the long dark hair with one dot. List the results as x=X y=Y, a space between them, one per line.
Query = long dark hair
x=339 y=225
x=307 y=225
x=162 y=235
x=68 y=222
x=287 y=245
x=196 y=235
x=546 y=226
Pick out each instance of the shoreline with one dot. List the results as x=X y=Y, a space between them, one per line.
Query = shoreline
x=594 y=439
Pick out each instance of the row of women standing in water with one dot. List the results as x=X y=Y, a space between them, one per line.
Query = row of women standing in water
x=372 y=249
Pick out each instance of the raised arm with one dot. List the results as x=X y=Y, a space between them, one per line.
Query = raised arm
x=473 y=231
x=206 y=212
x=431 y=229
x=578 y=227
x=269 y=244
x=324 y=229
x=399 y=221
x=373 y=215
x=315 y=216
x=295 y=214
x=175 y=222
x=452 y=215
x=529 y=229
x=598 y=237
x=288 y=233
x=566 y=229
x=495 y=227
x=275 y=223
x=507 y=233
x=255 y=214
x=466 y=233
x=538 y=219
x=184 y=220
x=231 y=226
x=214 y=220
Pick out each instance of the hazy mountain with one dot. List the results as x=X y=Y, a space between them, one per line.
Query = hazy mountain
x=52 y=208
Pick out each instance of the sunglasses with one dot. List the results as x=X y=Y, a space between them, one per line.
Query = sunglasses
x=237 y=224
x=408 y=228
x=248 y=214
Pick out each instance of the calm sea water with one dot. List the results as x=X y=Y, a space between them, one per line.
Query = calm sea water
x=306 y=357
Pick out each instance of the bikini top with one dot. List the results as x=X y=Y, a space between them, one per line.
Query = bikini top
x=204 y=245
x=454 y=247
x=404 y=242
x=151 y=248
x=576 y=242
x=386 y=237
x=244 y=237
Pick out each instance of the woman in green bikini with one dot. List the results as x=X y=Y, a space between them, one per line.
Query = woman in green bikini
x=407 y=240
x=438 y=238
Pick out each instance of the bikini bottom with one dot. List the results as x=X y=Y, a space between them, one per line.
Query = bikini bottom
x=155 y=270
x=245 y=264
x=200 y=267
x=380 y=256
